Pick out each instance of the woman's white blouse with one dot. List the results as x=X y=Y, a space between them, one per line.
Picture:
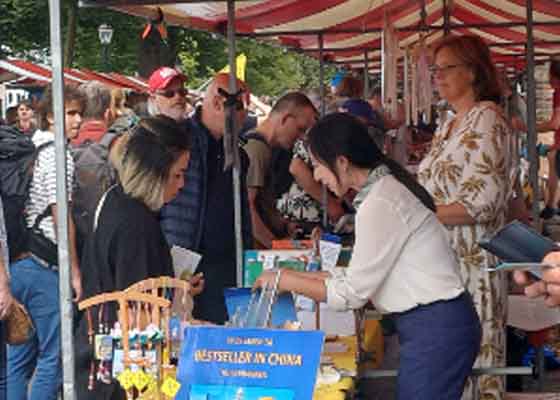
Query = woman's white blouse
x=401 y=257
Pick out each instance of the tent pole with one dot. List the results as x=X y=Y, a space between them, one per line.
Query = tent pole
x=231 y=134
x=67 y=338
x=322 y=93
x=4 y=91
x=410 y=28
x=366 y=75
x=532 y=116
x=324 y=198
x=446 y=18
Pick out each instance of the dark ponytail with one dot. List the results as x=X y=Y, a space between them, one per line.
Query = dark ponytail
x=404 y=177
x=341 y=134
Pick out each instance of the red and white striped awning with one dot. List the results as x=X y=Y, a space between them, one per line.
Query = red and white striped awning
x=351 y=29
x=26 y=73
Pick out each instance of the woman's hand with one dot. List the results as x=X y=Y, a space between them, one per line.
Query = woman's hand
x=197 y=284
x=549 y=286
x=6 y=302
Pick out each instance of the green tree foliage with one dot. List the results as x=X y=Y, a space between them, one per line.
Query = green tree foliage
x=270 y=70
x=24 y=32
x=24 y=26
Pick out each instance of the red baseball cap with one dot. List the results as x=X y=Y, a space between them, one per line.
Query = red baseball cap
x=161 y=77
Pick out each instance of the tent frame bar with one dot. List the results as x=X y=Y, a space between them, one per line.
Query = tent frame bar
x=115 y=3
x=377 y=60
x=359 y=49
x=231 y=134
x=64 y=273
x=532 y=134
x=414 y=28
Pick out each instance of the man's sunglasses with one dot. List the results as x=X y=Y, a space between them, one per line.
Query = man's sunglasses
x=169 y=93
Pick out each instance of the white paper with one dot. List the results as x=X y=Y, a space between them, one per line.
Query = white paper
x=531 y=314
x=185 y=262
x=304 y=303
x=329 y=254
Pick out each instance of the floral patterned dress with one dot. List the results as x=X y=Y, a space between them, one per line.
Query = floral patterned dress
x=296 y=204
x=470 y=163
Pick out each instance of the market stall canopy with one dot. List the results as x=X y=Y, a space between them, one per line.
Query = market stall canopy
x=351 y=29
x=24 y=73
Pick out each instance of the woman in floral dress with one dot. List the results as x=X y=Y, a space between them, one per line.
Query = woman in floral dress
x=468 y=172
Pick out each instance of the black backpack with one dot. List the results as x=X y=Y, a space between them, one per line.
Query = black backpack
x=279 y=178
x=17 y=159
x=93 y=175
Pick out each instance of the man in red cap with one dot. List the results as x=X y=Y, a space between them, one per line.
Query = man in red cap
x=167 y=94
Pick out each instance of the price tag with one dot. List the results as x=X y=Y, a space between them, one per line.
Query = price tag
x=141 y=380
x=170 y=387
x=126 y=379
x=103 y=347
x=151 y=393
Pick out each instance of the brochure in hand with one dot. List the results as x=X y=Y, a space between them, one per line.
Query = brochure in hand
x=518 y=243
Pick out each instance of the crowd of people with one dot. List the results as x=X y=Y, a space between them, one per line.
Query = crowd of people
x=151 y=175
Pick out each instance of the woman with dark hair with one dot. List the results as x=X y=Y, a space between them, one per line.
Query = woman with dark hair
x=127 y=244
x=401 y=262
x=152 y=160
x=25 y=118
x=470 y=174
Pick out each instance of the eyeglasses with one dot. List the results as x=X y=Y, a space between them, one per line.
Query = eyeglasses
x=169 y=93
x=436 y=69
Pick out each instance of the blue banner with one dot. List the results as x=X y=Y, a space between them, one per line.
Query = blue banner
x=218 y=363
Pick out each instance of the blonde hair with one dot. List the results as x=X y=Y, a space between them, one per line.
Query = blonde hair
x=143 y=158
x=141 y=184
x=118 y=101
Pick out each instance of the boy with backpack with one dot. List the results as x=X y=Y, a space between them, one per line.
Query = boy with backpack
x=34 y=273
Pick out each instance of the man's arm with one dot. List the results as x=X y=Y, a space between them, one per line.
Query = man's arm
x=74 y=262
x=552 y=124
x=261 y=233
x=6 y=299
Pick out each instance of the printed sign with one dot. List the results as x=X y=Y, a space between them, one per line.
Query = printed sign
x=228 y=363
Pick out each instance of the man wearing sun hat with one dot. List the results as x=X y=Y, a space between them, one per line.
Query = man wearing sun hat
x=167 y=93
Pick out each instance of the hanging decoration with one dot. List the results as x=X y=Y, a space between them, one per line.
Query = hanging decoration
x=158 y=24
x=390 y=54
x=139 y=349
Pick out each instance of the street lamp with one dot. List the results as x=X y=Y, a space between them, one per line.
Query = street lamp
x=105 y=35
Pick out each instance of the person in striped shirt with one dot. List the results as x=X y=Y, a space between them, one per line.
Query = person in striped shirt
x=34 y=282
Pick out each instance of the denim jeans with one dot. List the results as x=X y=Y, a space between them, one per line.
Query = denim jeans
x=36 y=287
